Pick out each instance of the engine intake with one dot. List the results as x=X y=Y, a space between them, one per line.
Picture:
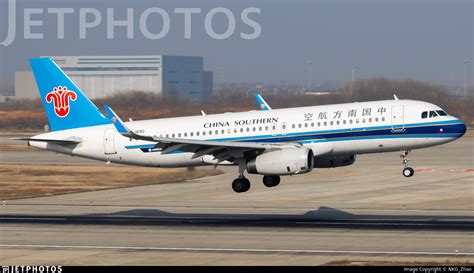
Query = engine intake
x=282 y=162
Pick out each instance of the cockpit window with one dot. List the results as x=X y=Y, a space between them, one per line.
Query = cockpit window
x=441 y=113
x=424 y=114
x=433 y=114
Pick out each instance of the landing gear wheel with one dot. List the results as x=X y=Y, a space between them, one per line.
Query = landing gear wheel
x=241 y=185
x=271 y=180
x=408 y=172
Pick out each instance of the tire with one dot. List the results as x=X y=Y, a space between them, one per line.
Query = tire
x=241 y=185
x=408 y=172
x=271 y=180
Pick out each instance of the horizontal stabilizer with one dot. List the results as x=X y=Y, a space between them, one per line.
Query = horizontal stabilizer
x=59 y=141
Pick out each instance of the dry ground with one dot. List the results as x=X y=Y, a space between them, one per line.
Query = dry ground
x=21 y=181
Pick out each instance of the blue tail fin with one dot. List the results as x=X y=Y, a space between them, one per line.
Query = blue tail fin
x=65 y=105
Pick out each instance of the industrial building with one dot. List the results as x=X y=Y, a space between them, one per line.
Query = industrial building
x=101 y=76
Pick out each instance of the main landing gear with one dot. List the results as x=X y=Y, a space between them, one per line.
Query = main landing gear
x=241 y=184
x=407 y=171
x=271 y=180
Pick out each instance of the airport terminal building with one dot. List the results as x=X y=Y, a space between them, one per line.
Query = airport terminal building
x=101 y=76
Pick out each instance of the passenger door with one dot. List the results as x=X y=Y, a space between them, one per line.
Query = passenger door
x=109 y=145
x=397 y=118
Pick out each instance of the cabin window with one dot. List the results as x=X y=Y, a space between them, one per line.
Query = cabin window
x=433 y=114
x=319 y=124
x=344 y=122
x=203 y=133
x=338 y=122
x=248 y=129
x=325 y=123
x=376 y=119
x=424 y=114
x=254 y=129
x=331 y=122
x=383 y=118
x=283 y=126
x=293 y=126
x=217 y=132
x=191 y=134
x=441 y=113
x=241 y=130
x=370 y=119
x=350 y=121
x=357 y=120
x=363 y=120
x=179 y=135
x=312 y=124
x=185 y=134
x=299 y=125
x=235 y=130
x=266 y=128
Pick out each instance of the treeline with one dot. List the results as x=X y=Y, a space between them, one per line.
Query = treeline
x=29 y=114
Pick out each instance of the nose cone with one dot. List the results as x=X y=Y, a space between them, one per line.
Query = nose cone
x=462 y=128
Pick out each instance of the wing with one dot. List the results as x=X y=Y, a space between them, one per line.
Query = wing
x=221 y=150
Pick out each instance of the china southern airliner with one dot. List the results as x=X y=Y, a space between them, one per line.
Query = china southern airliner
x=270 y=143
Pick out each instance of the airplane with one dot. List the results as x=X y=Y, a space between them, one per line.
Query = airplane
x=274 y=143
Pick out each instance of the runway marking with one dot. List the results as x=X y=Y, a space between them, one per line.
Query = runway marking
x=445 y=170
x=254 y=250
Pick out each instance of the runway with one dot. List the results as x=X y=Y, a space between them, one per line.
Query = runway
x=363 y=214
x=312 y=219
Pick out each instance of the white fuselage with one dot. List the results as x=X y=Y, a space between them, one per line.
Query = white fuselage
x=339 y=129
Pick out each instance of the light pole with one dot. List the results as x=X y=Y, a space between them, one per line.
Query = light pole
x=309 y=63
x=466 y=62
x=352 y=78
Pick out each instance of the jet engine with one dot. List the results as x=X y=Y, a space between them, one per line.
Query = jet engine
x=282 y=162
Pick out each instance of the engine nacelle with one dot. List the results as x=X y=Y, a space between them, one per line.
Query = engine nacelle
x=282 y=162
x=334 y=161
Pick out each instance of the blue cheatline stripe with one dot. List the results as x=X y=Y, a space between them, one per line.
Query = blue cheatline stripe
x=384 y=137
x=361 y=129
x=144 y=146
x=448 y=131
x=149 y=150
x=111 y=69
x=122 y=59
x=112 y=62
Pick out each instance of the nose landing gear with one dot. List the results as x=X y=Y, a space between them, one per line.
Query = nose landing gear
x=407 y=171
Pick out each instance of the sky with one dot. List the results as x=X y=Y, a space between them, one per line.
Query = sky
x=426 y=40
